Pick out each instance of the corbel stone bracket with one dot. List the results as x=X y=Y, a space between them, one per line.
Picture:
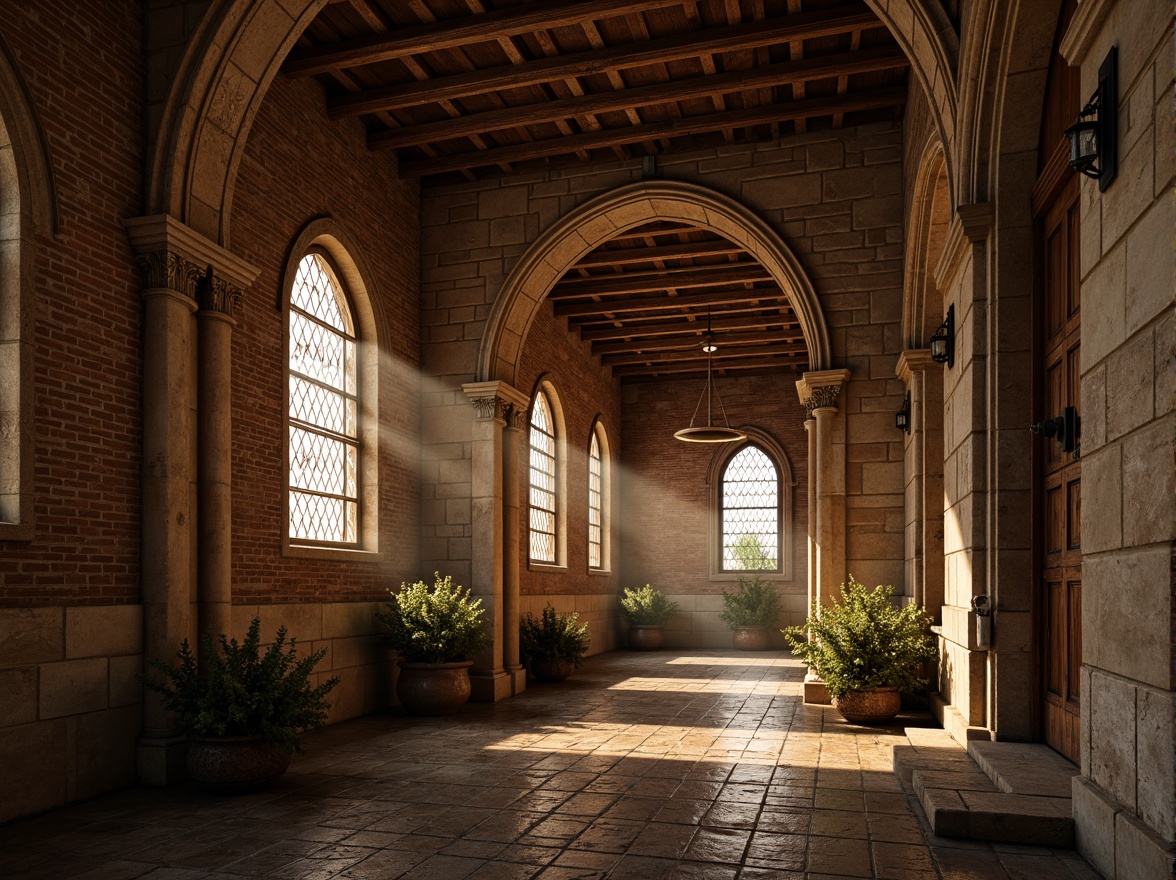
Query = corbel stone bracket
x=971 y=225
x=498 y=400
x=911 y=361
x=821 y=389
x=173 y=256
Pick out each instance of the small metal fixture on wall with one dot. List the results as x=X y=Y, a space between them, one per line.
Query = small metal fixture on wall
x=1094 y=141
x=902 y=418
x=709 y=433
x=942 y=344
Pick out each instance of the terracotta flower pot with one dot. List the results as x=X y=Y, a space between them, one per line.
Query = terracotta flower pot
x=551 y=669
x=751 y=638
x=876 y=704
x=645 y=638
x=235 y=764
x=433 y=688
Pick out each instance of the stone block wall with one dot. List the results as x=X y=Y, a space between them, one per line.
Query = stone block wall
x=70 y=703
x=1125 y=799
x=835 y=199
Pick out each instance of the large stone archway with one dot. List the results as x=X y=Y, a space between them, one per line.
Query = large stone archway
x=606 y=216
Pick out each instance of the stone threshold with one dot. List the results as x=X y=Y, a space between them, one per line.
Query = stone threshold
x=993 y=791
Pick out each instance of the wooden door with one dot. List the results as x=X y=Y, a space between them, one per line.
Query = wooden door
x=1060 y=478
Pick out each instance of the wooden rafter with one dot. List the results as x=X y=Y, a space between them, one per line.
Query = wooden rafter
x=748 y=321
x=624 y=256
x=448 y=34
x=807 y=109
x=866 y=61
x=691 y=343
x=665 y=303
x=628 y=283
x=690 y=45
x=694 y=369
x=727 y=356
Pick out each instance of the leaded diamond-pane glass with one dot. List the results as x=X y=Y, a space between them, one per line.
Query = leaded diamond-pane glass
x=323 y=409
x=751 y=512
x=542 y=482
x=595 y=523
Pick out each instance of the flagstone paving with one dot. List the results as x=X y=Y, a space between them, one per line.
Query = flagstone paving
x=698 y=765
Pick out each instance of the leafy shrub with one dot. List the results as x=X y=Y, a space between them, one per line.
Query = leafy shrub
x=553 y=637
x=438 y=624
x=647 y=606
x=238 y=691
x=756 y=603
x=865 y=642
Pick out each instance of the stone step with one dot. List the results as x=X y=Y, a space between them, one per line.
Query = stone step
x=1024 y=768
x=995 y=815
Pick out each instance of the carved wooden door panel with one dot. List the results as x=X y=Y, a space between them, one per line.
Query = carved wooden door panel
x=1060 y=481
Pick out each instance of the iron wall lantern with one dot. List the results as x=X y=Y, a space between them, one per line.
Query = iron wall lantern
x=1094 y=137
x=942 y=344
x=902 y=418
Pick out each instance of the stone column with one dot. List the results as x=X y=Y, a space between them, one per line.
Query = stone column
x=214 y=461
x=819 y=392
x=512 y=469
x=494 y=405
x=810 y=430
x=924 y=486
x=173 y=260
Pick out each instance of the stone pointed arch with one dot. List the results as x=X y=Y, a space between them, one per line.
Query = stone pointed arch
x=608 y=215
x=214 y=96
x=929 y=40
x=23 y=138
x=927 y=223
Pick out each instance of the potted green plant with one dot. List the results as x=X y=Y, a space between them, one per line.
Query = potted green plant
x=436 y=632
x=749 y=611
x=647 y=609
x=554 y=645
x=866 y=650
x=242 y=709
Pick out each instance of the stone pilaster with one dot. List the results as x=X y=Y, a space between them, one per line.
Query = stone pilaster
x=924 y=480
x=495 y=405
x=513 y=437
x=820 y=392
x=182 y=272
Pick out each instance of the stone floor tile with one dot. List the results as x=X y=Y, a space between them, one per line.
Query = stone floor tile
x=704 y=766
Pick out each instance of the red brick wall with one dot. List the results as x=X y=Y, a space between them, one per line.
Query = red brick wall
x=299 y=165
x=585 y=391
x=85 y=81
x=666 y=494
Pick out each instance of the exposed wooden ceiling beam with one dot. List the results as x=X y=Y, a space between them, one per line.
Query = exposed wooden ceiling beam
x=693 y=344
x=866 y=61
x=752 y=320
x=692 y=370
x=666 y=303
x=807 y=109
x=761 y=33
x=783 y=350
x=624 y=256
x=447 y=34
x=626 y=283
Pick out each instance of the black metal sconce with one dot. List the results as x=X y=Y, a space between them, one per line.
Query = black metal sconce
x=902 y=418
x=1094 y=141
x=942 y=344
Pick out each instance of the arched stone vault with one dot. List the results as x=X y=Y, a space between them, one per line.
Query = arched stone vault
x=606 y=216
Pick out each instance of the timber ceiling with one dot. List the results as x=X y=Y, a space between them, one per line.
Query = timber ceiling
x=468 y=89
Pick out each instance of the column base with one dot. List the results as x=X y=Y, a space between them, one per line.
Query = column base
x=518 y=679
x=161 y=760
x=815 y=690
x=490 y=686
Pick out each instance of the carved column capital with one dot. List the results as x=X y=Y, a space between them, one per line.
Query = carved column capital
x=821 y=389
x=497 y=400
x=215 y=293
x=167 y=270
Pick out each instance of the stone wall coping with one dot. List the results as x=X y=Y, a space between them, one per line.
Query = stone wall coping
x=911 y=361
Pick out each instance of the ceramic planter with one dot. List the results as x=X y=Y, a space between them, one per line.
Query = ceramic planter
x=751 y=638
x=551 y=669
x=433 y=688
x=645 y=637
x=235 y=764
x=876 y=704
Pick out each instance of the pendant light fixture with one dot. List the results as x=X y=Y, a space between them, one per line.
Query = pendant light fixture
x=710 y=432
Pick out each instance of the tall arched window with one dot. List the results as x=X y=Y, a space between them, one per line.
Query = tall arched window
x=324 y=430
x=749 y=499
x=598 y=501
x=542 y=498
